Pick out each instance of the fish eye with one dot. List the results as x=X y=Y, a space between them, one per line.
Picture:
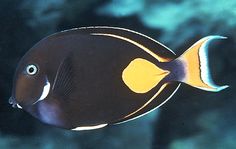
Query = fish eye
x=31 y=69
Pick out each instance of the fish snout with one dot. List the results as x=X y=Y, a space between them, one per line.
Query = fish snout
x=13 y=102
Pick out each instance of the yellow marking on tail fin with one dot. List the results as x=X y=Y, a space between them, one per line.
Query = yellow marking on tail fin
x=141 y=75
x=192 y=61
x=197 y=72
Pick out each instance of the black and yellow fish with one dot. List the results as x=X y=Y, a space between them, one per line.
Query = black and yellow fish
x=90 y=77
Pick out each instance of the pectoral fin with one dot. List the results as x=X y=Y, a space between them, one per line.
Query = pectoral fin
x=64 y=80
x=141 y=75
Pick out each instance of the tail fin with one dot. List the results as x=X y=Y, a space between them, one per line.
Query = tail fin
x=195 y=61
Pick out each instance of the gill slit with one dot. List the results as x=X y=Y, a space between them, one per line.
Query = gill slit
x=45 y=92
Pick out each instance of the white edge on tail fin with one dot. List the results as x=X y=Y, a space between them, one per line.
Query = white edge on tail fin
x=205 y=73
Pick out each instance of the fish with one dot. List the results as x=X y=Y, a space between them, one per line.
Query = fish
x=90 y=77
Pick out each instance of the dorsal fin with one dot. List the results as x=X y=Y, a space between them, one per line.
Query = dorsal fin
x=152 y=46
x=63 y=83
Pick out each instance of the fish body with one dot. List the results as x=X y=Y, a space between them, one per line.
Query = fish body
x=88 y=78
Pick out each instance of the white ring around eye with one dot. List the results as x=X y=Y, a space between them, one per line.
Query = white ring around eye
x=31 y=69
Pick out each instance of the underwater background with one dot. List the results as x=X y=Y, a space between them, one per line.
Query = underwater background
x=192 y=119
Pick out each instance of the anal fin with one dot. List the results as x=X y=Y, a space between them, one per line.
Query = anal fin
x=164 y=93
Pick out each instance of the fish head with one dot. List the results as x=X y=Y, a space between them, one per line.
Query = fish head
x=30 y=83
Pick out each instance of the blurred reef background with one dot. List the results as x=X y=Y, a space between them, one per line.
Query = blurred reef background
x=192 y=119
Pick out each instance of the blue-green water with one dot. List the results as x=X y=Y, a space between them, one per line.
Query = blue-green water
x=192 y=119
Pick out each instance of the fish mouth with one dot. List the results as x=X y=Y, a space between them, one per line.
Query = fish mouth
x=13 y=102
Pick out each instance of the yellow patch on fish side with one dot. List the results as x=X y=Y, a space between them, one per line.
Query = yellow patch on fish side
x=141 y=75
